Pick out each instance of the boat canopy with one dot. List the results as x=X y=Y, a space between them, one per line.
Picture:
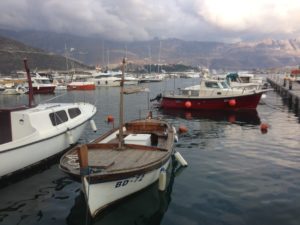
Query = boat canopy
x=232 y=77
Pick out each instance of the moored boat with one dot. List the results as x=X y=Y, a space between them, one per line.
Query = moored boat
x=211 y=94
x=112 y=79
x=118 y=172
x=81 y=85
x=42 y=85
x=123 y=161
x=30 y=134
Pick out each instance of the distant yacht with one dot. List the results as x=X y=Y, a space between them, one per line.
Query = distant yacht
x=112 y=79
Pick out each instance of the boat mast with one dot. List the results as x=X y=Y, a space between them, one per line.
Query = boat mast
x=30 y=94
x=121 y=138
x=67 y=63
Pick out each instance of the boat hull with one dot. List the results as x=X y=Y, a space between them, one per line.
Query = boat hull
x=85 y=87
x=224 y=103
x=44 y=90
x=100 y=194
x=22 y=157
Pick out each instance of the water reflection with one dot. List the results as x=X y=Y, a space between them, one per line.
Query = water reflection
x=240 y=117
x=145 y=207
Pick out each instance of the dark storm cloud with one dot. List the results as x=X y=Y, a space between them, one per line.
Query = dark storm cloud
x=216 y=20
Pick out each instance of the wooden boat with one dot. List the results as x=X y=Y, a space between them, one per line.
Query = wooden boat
x=30 y=134
x=116 y=172
x=123 y=161
x=211 y=95
x=131 y=209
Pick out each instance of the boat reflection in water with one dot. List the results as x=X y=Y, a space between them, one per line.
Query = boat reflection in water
x=240 y=117
x=145 y=207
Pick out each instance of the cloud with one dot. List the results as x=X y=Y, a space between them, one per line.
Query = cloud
x=215 y=20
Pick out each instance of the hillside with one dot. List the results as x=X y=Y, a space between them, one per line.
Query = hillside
x=95 y=50
x=13 y=52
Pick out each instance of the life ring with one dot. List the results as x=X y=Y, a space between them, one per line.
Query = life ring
x=20 y=89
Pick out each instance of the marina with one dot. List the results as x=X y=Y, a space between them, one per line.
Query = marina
x=237 y=174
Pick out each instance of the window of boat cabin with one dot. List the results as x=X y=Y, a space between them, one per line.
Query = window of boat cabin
x=211 y=84
x=225 y=85
x=74 y=112
x=58 y=117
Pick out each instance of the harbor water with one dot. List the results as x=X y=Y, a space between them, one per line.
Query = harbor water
x=236 y=175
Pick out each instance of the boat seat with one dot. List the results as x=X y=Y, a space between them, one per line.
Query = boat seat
x=157 y=133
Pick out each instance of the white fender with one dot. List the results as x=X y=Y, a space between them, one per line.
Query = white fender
x=174 y=130
x=70 y=137
x=93 y=125
x=180 y=159
x=162 y=180
x=176 y=138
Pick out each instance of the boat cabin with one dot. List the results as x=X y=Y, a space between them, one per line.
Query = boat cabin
x=206 y=85
x=19 y=123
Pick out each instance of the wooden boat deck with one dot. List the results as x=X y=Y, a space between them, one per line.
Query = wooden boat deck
x=107 y=159
x=110 y=159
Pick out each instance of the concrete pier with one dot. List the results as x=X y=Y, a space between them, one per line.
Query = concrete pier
x=290 y=90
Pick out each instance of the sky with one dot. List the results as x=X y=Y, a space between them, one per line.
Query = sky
x=140 y=20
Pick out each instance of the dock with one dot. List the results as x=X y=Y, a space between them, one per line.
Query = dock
x=290 y=90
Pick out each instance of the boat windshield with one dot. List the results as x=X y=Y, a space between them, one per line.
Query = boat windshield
x=225 y=85
x=42 y=81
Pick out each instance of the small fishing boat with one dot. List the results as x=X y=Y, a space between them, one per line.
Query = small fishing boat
x=211 y=94
x=130 y=210
x=30 y=134
x=123 y=161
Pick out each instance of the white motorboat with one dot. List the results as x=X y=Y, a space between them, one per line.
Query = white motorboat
x=30 y=134
x=42 y=85
x=151 y=78
x=112 y=79
x=14 y=90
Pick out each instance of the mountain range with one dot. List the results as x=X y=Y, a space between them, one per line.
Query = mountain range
x=51 y=48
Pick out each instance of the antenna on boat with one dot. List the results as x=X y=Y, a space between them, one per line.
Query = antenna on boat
x=30 y=99
x=121 y=138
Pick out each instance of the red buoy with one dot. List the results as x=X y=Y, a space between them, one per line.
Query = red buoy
x=187 y=104
x=182 y=129
x=232 y=102
x=264 y=128
x=110 y=119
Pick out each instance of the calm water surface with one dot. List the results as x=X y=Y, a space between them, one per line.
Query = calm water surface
x=236 y=174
